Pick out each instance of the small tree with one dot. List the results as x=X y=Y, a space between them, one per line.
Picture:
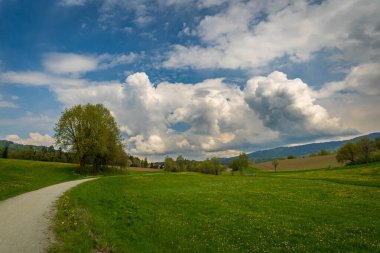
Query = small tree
x=365 y=147
x=347 y=153
x=323 y=152
x=275 y=163
x=181 y=163
x=240 y=163
x=169 y=164
x=146 y=164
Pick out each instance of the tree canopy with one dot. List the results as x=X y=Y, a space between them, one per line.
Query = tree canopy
x=362 y=151
x=240 y=163
x=91 y=133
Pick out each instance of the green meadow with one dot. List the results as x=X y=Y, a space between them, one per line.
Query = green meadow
x=19 y=176
x=326 y=210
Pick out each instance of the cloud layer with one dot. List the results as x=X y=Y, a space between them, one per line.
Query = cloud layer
x=70 y=63
x=252 y=34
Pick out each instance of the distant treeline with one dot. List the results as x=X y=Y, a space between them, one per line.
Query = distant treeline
x=363 y=150
x=208 y=166
x=322 y=152
x=12 y=150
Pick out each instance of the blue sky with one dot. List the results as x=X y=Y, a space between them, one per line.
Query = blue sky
x=201 y=78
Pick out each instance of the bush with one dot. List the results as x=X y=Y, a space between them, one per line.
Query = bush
x=362 y=151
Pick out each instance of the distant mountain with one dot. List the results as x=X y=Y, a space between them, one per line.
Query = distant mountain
x=298 y=151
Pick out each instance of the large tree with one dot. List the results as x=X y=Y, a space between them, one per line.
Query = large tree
x=91 y=133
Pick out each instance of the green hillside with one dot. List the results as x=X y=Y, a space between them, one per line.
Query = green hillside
x=298 y=151
x=19 y=176
x=330 y=210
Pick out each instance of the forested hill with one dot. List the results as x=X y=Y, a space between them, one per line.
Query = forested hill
x=19 y=147
x=298 y=151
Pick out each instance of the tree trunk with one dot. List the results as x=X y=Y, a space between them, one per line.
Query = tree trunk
x=82 y=164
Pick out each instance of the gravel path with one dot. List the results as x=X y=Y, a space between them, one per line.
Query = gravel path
x=25 y=219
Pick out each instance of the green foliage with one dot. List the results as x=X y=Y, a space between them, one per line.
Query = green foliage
x=209 y=166
x=17 y=176
x=181 y=163
x=291 y=157
x=323 y=152
x=146 y=164
x=347 y=153
x=362 y=151
x=365 y=148
x=377 y=142
x=312 y=211
x=5 y=152
x=170 y=164
x=91 y=133
x=40 y=153
x=240 y=163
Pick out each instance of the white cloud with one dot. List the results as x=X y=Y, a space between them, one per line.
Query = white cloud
x=63 y=63
x=221 y=116
x=70 y=63
x=355 y=99
x=72 y=2
x=39 y=79
x=288 y=106
x=148 y=114
x=6 y=104
x=140 y=9
x=34 y=139
x=363 y=78
x=239 y=37
x=109 y=61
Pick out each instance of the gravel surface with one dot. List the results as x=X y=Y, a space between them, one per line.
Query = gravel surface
x=25 y=219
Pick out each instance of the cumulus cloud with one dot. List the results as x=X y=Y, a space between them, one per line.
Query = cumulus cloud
x=356 y=98
x=288 y=106
x=70 y=63
x=251 y=34
x=220 y=116
x=36 y=139
x=216 y=113
x=363 y=78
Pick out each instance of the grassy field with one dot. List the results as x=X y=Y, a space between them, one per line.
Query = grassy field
x=335 y=210
x=307 y=163
x=19 y=176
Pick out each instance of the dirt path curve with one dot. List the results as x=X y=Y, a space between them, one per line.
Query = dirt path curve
x=25 y=219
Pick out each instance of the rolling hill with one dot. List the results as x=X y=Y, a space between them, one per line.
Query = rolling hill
x=298 y=151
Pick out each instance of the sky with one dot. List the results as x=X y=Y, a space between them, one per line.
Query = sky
x=201 y=78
